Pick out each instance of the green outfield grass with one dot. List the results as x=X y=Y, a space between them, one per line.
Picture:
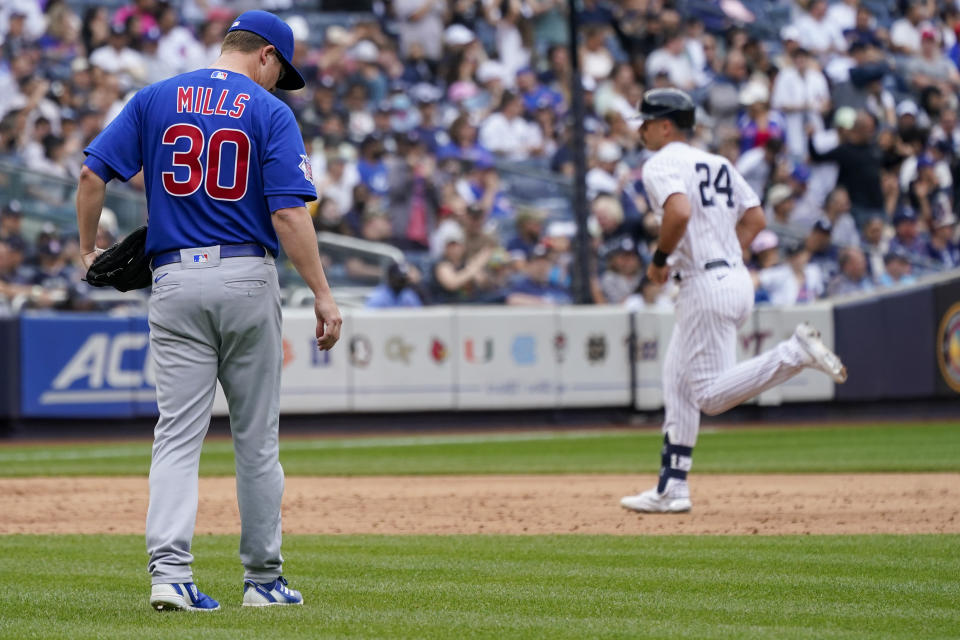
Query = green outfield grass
x=879 y=448
x=503 y=587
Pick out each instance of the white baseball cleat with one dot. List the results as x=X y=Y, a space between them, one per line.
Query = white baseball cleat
x=183 y=596
x=268 y=594
x=676 y=499
x=823 y=358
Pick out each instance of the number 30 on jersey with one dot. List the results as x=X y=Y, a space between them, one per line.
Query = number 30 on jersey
x=212 y=175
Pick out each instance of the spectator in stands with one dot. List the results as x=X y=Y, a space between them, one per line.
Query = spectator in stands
x=11 y=222
x=780 y=204
x=801 y=94
x=795 y=281
x=853 y=277
x=534 y=288
x=837 y=211
x=905 y=34
x=907 y=235
x=823 y=254
x=118 y=57
x=414 y=196
x=942 y=249
x=758 y=123
x=529 y=222
x=605 y=177
x=372 y=168
x=456 y=279
x=818 y=33
x=930 y=67
x=477 y=233
x=758 y=165
x=649 y=296
x=722 y=101
x=399 y=289
x=481 y=185
x=859 y=163
x=177 y=45
x=898 y=269
x=339 y=179
x=673 y=59
x=506 y=132
x=875 y=244
x=764 y=250
x=623 y=273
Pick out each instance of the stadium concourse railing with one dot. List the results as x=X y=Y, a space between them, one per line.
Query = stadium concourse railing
x=902 y=343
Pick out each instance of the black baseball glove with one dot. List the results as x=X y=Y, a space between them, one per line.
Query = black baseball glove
x=124 y=266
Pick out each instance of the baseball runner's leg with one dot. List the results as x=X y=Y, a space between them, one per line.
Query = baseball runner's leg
x=250 y=366
x=718 y=382
x=680 y=427
x=681 y=423
x=185 y=364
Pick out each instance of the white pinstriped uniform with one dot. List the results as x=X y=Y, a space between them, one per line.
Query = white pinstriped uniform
x=700 y=371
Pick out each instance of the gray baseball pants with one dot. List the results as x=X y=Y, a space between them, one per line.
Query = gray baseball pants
x=215 y=319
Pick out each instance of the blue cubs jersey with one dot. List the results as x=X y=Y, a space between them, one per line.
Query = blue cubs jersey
x=217 y=151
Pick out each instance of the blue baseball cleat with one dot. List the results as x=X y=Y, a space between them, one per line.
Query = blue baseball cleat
x=268 y=594
x=183 y=596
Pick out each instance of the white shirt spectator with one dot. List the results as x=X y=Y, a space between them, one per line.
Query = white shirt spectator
x=801 y=97
x=181 y=51
x=600 y=181
x=126 y=61
x=752 y=165
x=843 y=15
x=35 y=23
x=845 y=232
x=514 y=139
x=781 y=284
x=341 y=192
x=820 y=37
x=906 y=35
x=678 y=68
x=427 y=31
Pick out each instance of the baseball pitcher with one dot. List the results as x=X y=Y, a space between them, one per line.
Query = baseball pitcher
x=708 y=216
x=226 y=179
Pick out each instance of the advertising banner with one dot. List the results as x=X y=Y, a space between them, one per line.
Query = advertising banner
x=10 y=369
x=85 y=366
x=508 y=358
x=401 y=359
x=653 y=330
x=947 y=338
x=594 y=356
x=312 y=381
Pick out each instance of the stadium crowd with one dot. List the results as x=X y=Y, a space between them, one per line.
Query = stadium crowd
x=842 y=115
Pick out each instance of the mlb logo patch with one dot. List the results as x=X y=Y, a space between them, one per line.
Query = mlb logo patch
x=219 y=75
x=201 y=257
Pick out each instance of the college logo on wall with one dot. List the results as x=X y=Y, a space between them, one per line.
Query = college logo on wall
x=524 y=350
x=596 y=348
x=647 y=350
x=398 y=350
x=948 y=347
x=288 y=355
x=318 y=358
x=474 y=354
x=756 y=339
x=560 y=347
x=438 y=351
x=360 y=351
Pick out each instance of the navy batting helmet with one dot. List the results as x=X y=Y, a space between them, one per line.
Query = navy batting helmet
x=672 y=104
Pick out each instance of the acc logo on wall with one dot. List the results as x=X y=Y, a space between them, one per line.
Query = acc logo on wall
x=948 y=347
x=361 y=351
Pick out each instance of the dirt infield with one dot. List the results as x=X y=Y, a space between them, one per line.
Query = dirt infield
x=723 y=504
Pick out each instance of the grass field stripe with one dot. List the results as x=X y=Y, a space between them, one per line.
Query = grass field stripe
x=120 y=451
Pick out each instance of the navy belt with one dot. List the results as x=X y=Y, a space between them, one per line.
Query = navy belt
x=226 y=251
x=715 y=264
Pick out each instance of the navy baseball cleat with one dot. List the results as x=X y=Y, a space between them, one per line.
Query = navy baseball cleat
x=182 y=596
x=268 y=594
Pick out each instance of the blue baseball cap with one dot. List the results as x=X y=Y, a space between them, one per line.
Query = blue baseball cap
x=280 y=35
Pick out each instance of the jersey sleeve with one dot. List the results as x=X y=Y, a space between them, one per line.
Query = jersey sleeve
x=286 y=165
x=118 y=146
x=661 y=180
x=743 y=194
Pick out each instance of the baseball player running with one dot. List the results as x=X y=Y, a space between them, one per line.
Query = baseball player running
x=709 y=215
x=226 y=178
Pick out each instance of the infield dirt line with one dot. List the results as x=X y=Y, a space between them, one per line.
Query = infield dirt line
x=515 y=504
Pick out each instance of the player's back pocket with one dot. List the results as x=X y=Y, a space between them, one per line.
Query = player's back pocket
x=246 y=287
